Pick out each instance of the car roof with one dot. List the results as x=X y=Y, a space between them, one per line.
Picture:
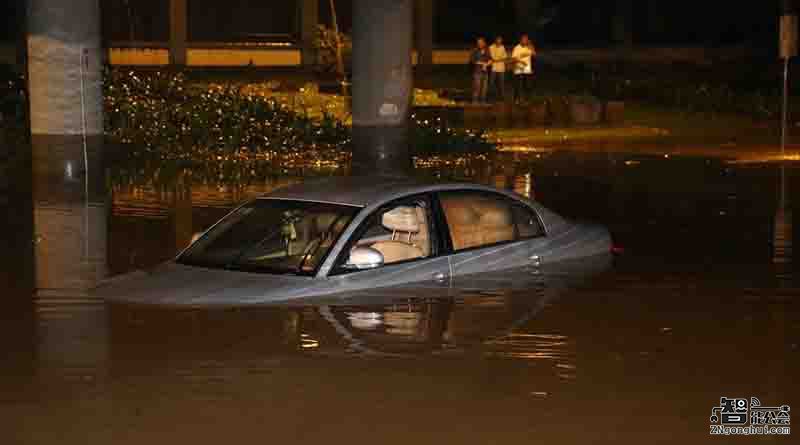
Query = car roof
x=362 y=191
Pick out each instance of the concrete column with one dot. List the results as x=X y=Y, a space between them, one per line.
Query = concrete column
x=66 y=118
x=181 y=214
x=423 y=31
x=309 y=19
x=178 y=32
x=382 y=82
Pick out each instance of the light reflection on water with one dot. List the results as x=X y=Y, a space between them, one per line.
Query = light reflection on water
x=700 y=306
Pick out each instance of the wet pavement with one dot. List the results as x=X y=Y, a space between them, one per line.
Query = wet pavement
x=702 y=304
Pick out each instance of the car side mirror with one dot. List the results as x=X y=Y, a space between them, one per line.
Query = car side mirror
x=364 y=258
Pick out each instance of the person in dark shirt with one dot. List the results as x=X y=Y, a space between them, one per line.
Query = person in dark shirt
x=481 y=60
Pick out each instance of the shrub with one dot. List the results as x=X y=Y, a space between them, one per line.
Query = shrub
x=687 y=93
x=325 y=43
x=721 y=89
x=157 y=115
x=435 y=137
x=13 y=104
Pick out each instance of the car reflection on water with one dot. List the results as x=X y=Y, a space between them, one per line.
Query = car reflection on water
x=474 y=314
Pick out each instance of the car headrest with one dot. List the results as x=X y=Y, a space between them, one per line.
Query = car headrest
x=401 y=219
x=324 y=221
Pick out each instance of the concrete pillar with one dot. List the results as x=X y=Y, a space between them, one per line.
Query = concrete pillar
x=66 y=118
x=423 y=31
x=181 y=214
x=309 y=19
x=382 y=82
x=178 y=32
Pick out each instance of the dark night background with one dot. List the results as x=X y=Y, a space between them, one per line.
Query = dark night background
x=572 y=22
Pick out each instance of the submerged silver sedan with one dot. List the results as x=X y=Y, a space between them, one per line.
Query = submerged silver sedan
x=343 y=234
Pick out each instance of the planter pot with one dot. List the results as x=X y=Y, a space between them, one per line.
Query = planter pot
x=559 y=111
x=586 y=112
x=615 y=112
x=538 y=114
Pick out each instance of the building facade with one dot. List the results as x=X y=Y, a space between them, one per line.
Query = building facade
x=230 y=34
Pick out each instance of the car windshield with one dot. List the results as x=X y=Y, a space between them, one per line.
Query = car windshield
x=272 y=236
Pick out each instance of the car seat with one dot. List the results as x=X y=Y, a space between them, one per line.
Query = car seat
x=404 y=225
x=477 y=221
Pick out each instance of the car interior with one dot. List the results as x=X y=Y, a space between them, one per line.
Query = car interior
x=400 y=234
x=296 y=239
x=313 y=236
x=477 y=220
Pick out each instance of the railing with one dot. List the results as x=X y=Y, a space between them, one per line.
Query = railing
x=262 y=53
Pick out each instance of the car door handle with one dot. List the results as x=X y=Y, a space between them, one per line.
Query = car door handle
x=440 y=277
x=536 y=260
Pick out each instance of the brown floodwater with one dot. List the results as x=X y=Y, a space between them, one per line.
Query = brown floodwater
x=702 y=304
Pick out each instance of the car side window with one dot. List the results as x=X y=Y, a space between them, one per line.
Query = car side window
x=401 y=232
x=527 y=222
x=478 y=219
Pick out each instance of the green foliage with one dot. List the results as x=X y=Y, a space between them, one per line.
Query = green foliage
x=159 y=116
x=13 y=105
x=14 y=134
x=430 y=98
x=325 y=43
x=700 y=97
x=706 y=92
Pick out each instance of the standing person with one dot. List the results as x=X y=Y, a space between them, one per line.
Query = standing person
x=523 y=55
x=497 y=79
x=480 y=61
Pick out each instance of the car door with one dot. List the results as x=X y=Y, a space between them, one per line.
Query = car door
x=490 y=232
x=414 y=259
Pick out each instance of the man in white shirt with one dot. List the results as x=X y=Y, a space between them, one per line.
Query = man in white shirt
x=497 y=79
x=523 y=55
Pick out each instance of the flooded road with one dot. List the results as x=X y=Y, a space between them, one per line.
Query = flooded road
x=702 y=304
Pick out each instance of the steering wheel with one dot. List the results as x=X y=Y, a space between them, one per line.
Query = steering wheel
x=310 y=248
